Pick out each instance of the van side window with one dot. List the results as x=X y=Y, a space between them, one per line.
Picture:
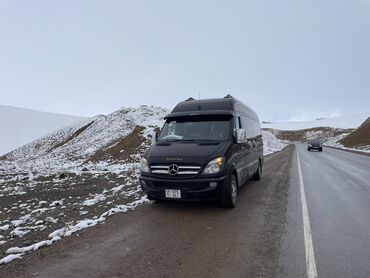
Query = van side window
x=239 y=123
x=251 y=127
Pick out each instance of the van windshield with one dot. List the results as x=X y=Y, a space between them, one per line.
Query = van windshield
x=199 y=128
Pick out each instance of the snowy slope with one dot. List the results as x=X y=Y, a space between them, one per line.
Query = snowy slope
x=349 y=121
x=73 y=146
x=19 y=126
x=271 y=143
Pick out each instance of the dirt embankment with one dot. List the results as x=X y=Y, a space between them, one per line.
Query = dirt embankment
x=359 y=138
x=123 y=149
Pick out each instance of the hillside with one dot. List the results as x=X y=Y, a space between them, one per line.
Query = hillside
x=93 y=140
x=343 y=122
x=358 y=139
x=350 y=138
x=20 y=126
x=325 y=134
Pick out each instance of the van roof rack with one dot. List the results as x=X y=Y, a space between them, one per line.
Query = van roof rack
x=229 y=96
x=190 y=99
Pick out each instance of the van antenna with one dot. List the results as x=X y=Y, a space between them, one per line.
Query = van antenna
x=199 y=106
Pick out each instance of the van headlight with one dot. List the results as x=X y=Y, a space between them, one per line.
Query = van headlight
x=144 y=165
x=214 y=166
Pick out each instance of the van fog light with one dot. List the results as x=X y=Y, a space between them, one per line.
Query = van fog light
x=213 y=184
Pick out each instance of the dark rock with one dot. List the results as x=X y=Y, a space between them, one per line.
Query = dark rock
x=27 y=242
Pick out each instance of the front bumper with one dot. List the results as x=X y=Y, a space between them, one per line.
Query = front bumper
x=191 y=189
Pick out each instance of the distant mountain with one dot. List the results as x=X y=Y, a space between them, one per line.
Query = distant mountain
x=343 y=122
x=19 y=126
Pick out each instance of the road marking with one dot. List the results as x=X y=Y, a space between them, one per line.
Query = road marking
x=310 y=256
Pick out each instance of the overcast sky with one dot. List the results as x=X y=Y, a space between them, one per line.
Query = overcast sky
x=288 y=59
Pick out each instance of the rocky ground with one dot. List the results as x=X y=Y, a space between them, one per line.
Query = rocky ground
x=31 y=210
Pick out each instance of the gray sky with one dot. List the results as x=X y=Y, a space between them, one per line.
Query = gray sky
x=288 y=59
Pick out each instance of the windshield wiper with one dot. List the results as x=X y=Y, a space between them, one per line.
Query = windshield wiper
x=192 y=140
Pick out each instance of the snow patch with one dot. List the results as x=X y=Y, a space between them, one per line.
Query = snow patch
x=271 y=143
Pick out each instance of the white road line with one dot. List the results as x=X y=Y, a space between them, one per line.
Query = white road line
x=310 y=256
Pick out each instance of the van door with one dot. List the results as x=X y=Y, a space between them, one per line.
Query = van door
x=238 y=151
x=249 y=147
x=245 y=150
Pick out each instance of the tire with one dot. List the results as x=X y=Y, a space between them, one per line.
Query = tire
x=309 y=149
x=320 y=149
x=258 y=174
x=229 y=196
x=151 y=198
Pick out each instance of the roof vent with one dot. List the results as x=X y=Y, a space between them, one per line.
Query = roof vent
x=229 y=96
x=190 y=99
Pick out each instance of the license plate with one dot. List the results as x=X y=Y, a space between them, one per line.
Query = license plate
x=173 y=193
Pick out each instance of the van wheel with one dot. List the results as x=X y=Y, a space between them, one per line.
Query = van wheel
x=258 y=174
x=230 y=193
x=151 y=198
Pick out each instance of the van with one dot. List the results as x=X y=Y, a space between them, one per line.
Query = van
x=206 y=150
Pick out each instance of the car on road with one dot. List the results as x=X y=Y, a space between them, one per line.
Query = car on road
x=314 y=145
x=206 y=150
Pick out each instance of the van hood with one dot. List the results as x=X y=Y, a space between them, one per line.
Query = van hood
x=192 y=153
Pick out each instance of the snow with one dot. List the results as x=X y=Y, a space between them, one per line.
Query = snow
x=57 y=203
x=51 y=220
x=5 y=227
x=10 y=258
x=15 y=123
x=271 y=144
x=344 y=122
x=93 y=201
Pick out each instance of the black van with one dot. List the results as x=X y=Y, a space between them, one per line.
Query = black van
x=205 y=151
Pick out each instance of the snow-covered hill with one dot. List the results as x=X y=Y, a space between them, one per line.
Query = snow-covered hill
x=79 y=145
x=19 y=126
x=343 y=122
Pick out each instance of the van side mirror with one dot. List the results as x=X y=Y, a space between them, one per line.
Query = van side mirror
x=235 y=136
x=154 y=136
x=241 y=135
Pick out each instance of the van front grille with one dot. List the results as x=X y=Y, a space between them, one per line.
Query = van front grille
x=175 y=170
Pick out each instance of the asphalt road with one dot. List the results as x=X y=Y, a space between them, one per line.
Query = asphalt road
x=269 y=234
x=337 y=189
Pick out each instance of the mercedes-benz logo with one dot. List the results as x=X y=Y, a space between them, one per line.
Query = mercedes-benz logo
x=173 y=169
